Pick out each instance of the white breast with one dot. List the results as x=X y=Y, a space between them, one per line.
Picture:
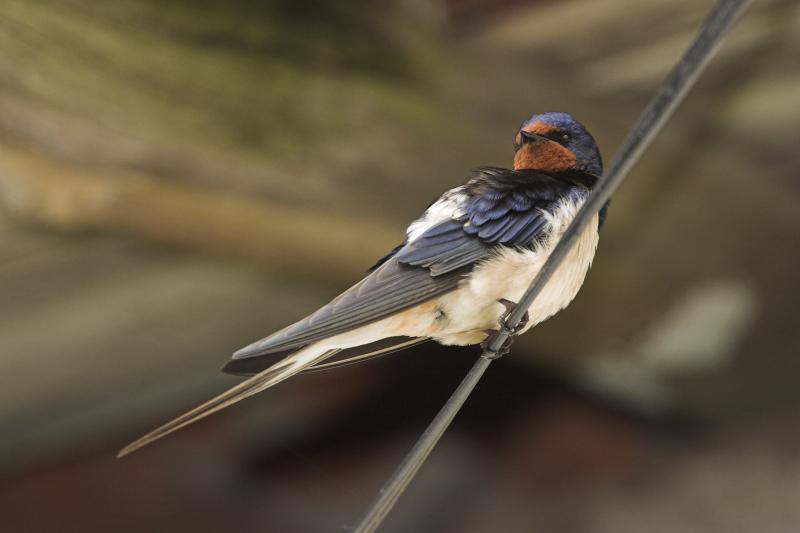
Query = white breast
x=474 y=308
x=464 y=315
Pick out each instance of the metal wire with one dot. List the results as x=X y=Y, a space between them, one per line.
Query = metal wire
x=667 y=98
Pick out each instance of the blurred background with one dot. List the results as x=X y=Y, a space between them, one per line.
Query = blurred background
x=178 y=179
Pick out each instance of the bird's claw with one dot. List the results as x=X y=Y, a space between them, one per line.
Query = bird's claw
x=490 y=353
x=510 y=306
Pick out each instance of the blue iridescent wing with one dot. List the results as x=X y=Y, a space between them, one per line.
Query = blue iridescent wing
x=502 y=207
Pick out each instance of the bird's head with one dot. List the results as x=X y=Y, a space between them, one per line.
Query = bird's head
x=556 y=142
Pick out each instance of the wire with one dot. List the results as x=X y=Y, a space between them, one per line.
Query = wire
x=669 y=95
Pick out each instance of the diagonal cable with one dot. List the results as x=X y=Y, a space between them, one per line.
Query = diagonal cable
x=669 y=95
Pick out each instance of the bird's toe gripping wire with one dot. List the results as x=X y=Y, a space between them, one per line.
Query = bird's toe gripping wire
x=505 y=329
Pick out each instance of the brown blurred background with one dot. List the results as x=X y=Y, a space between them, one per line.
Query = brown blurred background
x=180 y=178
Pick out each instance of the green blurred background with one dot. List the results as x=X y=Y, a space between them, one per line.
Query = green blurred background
x=180 y=178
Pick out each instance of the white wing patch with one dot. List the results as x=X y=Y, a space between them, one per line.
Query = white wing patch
x=449 y=206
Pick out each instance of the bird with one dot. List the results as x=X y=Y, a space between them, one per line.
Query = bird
x=454 y=278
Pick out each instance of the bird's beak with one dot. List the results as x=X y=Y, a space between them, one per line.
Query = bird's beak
x=528 y=137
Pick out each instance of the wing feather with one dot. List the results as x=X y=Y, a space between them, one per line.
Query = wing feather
x=392 y=288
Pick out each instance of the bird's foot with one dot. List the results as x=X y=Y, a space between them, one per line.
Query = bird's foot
x=486 y=345
x=505 y=328
x=510 y=306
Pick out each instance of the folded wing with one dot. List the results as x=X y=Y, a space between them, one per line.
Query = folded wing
x=497 y=207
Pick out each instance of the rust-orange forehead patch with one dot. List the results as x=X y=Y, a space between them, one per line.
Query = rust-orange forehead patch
x=540 y=128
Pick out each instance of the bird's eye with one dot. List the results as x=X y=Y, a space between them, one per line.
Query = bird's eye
x=566 y=137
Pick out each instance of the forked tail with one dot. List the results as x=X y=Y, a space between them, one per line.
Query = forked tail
x=281 y=370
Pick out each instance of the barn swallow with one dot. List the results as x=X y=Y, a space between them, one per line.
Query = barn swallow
x=471 y=254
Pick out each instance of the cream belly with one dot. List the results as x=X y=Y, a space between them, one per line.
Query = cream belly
x=474 y=308
x=463 y=316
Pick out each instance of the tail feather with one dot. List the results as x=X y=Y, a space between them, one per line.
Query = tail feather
x=250 y=366
x=278 y=372
x=347 y=357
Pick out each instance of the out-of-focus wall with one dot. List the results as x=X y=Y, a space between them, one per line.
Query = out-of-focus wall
x=180 y=178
